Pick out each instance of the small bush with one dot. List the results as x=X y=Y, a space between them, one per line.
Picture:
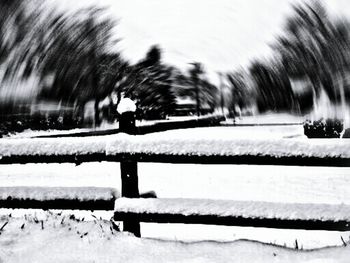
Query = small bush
x=19 y=123
x=329 y=128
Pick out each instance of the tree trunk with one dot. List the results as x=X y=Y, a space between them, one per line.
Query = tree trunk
x=97 y=112
x=197 y=98
x=316 y=89
x=79 y=114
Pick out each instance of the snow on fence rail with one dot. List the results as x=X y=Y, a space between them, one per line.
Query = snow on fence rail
x=235 y=213
x=52 y=193
x=172 y=147
x=164 y=147
x=84 y=198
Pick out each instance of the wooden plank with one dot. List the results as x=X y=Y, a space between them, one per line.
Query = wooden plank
x=128 y=170
x=234 y=221
x=145 y=129
x=293 y=160
x=82 y=198
x=64 y=158
x=80 y=134
x=70 y=204
x=129 y=177
x=173 y=158
x=130 y=189
x=235 y=213
x=184 y=124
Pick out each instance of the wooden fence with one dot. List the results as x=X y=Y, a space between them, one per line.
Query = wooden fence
x=131 y=209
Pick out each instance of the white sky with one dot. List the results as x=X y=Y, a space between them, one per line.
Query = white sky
x=222 y=34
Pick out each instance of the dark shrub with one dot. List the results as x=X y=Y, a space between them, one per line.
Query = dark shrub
x=346 y=133
x=329 y=128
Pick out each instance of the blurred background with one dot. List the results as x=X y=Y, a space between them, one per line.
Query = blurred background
x=67 y=65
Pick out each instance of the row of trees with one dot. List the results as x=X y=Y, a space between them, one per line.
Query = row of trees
x=73 y=57
x=68 y=52
x=314 y=48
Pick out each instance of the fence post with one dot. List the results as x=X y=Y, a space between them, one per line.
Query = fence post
x=130 y=187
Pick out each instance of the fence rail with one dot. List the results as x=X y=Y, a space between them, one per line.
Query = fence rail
x=252 y=159
x=303 y=224
x=60 y=203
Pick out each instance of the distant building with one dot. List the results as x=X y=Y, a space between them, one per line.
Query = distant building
x=188 y=107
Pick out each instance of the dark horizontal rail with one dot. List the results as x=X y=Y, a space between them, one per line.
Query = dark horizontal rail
x=71 y=204
x=234 y=221
x=145 y=129
x=237 y=159
x=77 y=159
x=169 y=158
x=184 y=124
x=81 y=134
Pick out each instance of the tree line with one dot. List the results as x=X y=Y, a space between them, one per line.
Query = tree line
x=312 y=51
x=73 y=57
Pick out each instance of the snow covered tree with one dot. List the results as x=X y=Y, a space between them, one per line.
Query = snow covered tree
x=149 y=82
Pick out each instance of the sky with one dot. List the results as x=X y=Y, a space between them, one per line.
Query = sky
x=222 y=34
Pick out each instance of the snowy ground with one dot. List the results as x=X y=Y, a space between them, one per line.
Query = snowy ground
x=268 y=118
x=60 y=238
x=319 y=185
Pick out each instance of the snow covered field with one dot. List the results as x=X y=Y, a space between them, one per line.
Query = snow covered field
x=59 y=238
x=268 y=118
x=319 y=185
x=232 y=182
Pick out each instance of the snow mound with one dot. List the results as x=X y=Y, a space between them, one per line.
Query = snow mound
x=53 y=193
x=126 y=105
x=58 y=238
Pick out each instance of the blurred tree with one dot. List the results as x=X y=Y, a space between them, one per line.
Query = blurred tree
x=10 y=13
x=195 y=73
x=195 y=85
x=149 y=82
x=112 y=69
x=341 y=60
x=242 y=96
x=69 y=52
x=274 y=91
x=153 y=57
x=77 y=55
x=19 y=33
x=316 y=46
